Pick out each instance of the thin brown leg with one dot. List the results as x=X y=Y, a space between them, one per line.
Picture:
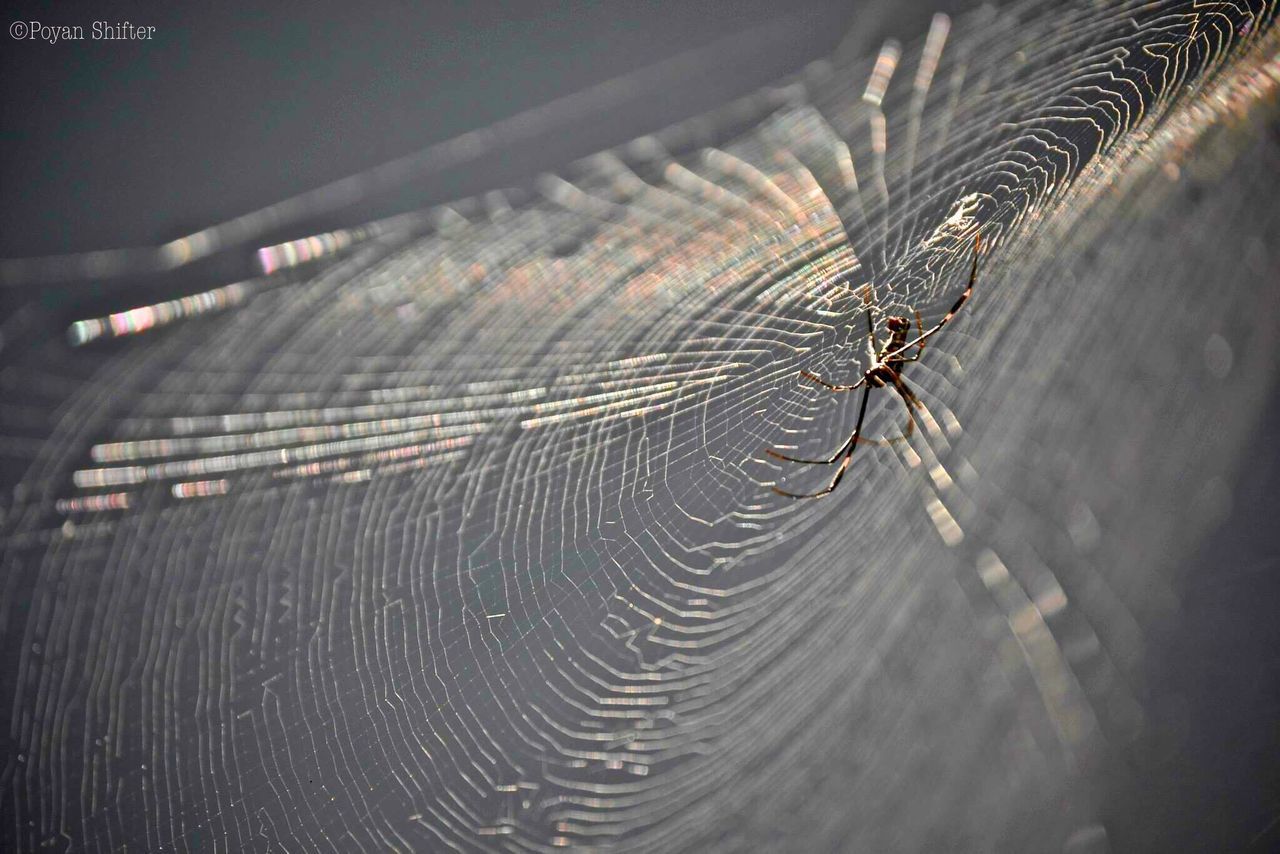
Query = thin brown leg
x=871 y=327
x=910 y=400
x=924 y=336
x=919 y=350
x=845 y=454
x=820 y=381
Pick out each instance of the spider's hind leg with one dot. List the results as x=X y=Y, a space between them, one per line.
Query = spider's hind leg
x=913 y=402
x=826 y=461
x=844 y=455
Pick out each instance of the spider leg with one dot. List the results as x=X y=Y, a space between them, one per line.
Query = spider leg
x=826 y=461
x=829 y=386
x=809 y=375
x=871 y=324
x=964 y=297
x=919 y=350
x=845 y=454
x=910 y=400
x=862 y=440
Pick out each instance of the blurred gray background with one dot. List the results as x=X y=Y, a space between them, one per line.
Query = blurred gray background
x=107 y=144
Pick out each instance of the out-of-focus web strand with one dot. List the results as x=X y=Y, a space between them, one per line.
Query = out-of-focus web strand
x=673 y=381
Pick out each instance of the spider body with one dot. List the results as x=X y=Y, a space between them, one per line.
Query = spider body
x=888 y=371
x=887 y=365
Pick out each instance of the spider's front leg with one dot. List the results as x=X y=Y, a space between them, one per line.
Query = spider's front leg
x=809 y=375
x=920 y=347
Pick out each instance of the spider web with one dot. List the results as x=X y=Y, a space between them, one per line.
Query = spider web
x=454 y=530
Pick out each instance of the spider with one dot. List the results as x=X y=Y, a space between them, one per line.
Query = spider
x=885 y=371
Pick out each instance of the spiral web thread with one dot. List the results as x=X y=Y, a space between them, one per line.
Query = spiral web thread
x=454 y=530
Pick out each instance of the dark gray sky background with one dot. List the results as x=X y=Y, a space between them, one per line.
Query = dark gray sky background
x=123 y=143
x=228 y=109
